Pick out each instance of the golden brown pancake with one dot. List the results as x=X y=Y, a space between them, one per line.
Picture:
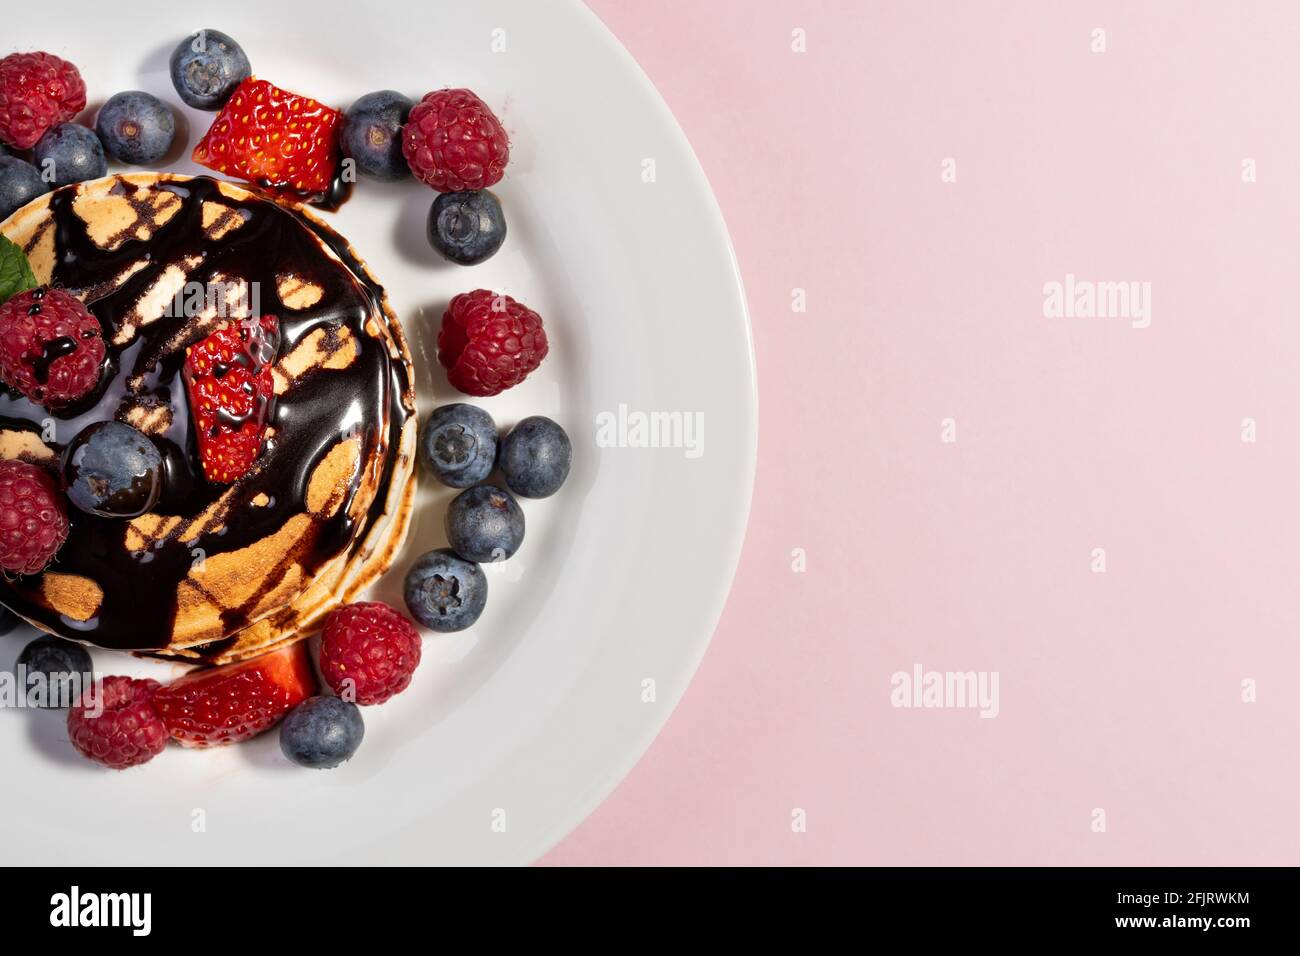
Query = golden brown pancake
x=218 y=572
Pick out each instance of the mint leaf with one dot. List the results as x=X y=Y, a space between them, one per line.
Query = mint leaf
x=15 y=271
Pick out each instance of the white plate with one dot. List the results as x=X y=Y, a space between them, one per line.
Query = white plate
x=512 y=731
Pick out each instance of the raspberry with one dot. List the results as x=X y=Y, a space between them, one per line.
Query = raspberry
x=51 y=347
x=127 y=733
x=228 y=704
x=452 y=141
x=369 y=650
x=37 y=91
x=489 y=342
x=33 y=519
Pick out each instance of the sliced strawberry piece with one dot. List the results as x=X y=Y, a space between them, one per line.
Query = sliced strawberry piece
x=228 y=704
x=230 y=386
x=277 y=139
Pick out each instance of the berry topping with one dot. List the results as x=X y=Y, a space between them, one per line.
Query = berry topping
x=372 y=135
x=484 y=524
x=113 y=470
x=37 y=91
x=452 y=141
x=281 y=141
x=51 y=347
x=136 y=128
x=489 y=342
x=115 y=725
x=459 y=444
x=206 y=67
x=322 y=732
x=444 y=592
x=368 y=652
x=535 y=457
x=20 y=183
x=467 y=227
x=232 y=703
x=57 y=671
x=33 y=522
x=230 y=385
x=71 y=153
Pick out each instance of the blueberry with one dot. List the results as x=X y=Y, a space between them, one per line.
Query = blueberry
x=113 y=470
x=136 y=128
x=445 y=592
x=484 y=523
x=206 y=67
x=73 y=152
x=58 y=670
x=467 y=227
x=459 y=444
x=20 y=183
x=535 y=458
x=322 y=732
x=8 y=620
x=372 y=134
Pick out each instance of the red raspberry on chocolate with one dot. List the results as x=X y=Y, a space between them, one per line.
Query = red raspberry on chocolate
x=368 y=652
x=489 y=342
x=126 y=732
x=37 y=91
x=452 y=141
x=51 y=347
x=33 y=518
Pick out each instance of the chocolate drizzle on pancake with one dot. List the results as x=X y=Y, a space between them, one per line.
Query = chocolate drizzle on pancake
x=314 y=413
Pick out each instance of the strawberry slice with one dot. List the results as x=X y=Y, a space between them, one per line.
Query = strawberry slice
x=228 y=704
x=230 y=386
x=282 y=141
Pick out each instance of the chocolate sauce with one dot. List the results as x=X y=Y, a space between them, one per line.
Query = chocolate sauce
x=52 y=351
x=339 y=192
x=138 y=609
x=332 y=199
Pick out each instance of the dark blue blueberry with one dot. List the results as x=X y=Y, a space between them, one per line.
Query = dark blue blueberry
x=459 y=444
x=20 y=183
x=467 y=227
x=58 y=671
x=112 y=469
x=445 y=592
x=485 y=523
x=8 y=620
x=72 y=153
x=535 y=458
x=206 y=67
x=136 y=128
x=322 y=732
x=372 y=134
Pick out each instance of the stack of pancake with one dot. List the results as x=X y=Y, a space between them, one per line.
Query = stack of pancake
x=218 y=573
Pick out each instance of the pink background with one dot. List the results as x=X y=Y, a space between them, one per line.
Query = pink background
x=1120 y=690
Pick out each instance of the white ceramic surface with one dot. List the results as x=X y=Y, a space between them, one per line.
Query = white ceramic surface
x=514 y=730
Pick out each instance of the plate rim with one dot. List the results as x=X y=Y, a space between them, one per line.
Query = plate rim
x=717 y=223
